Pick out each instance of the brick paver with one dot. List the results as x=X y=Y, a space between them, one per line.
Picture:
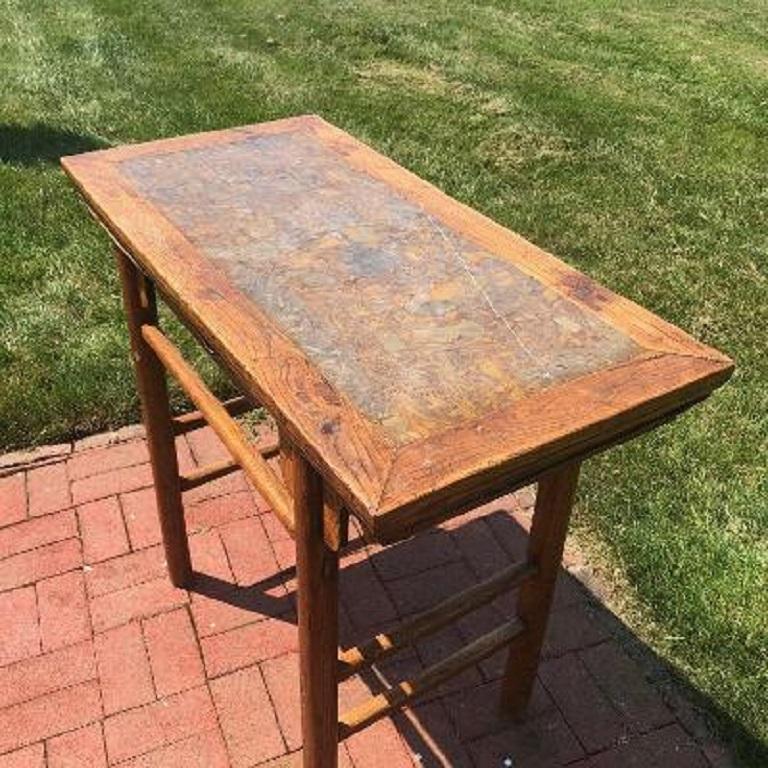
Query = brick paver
x=589 y=712
x=126 y=571
x=38 y=675
x=103 y=662
x=36 y=564
x=83 y=748
x=174 y=654
x=140 y=513
x=48 y=489
x=32 y=756
x=250 y=644
x=102 y=529
x=104 y=484
x=126 y=680
x=136 y=602
x=58 y=712
x=19 y=627
x=111 y=457
x=158 y=724
x=203 y=750
x=63 y=610
x=247 y=719
x=13 y=499
x=36 y=532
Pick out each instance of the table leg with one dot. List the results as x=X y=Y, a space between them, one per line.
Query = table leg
x=141 y=309
x=552 y=512
x=318 y=576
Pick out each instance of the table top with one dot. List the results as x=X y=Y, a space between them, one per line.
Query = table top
x=422 y=356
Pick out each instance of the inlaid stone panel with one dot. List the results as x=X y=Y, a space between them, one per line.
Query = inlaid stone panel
x=420 y=327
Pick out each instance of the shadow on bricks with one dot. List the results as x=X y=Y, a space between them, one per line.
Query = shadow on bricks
x=594 y=703
x=103 y=660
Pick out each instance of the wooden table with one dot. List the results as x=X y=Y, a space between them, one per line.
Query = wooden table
x=418 y=358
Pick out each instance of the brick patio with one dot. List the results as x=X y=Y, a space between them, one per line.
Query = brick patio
x=103 y=662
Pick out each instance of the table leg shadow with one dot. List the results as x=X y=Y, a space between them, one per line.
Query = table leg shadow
x=600 y=693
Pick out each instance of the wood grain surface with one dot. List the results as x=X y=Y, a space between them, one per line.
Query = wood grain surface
x=421 y=356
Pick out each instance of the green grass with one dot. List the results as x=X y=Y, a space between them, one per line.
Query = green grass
x=630 y=139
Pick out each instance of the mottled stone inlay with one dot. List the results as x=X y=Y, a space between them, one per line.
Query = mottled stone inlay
x=417 y=325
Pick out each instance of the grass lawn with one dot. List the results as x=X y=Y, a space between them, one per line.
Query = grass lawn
x=630 y=139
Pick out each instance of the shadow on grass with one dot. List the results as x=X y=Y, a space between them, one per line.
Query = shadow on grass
x=39 y=143
x=602 y=696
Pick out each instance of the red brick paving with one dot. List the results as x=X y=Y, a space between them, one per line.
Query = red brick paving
x=144 y=729
x=102 y=529
x=112 y=482
x=38 y=675
x=48 y=489
x=140 y=514
x=13 y=499
x=36 y=719
x=247 y=719
x=31 y=534
x=34 y=565
x=96 y=462
x=174 y=653
x=593 y=718
x=29 y=757
x=124 y=674
x=203 y=750
x=83 y=748
x=103 y=662
x=247 y=645
x=63 y=610
x=19 y=627
x=126 y=571
x=136 y=602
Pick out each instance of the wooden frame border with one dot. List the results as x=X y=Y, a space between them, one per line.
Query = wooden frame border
x=390 y=488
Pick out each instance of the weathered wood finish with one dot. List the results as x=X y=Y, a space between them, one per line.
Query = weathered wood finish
x=336 y=517
x=554 y=500
x=214 y=471
x=186 y=422
x=141 y=311
x=317 y=567
x=223 y=425
x=407 y=691
x=418 y=359
x=395 y=443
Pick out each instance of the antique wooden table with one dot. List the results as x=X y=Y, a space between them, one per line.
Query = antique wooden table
x=418 y=359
